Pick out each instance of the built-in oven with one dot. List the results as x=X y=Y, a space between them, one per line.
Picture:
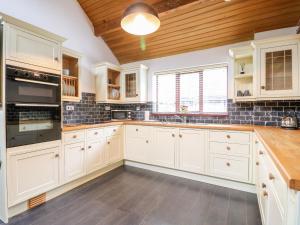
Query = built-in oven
x=32 y=123
x=33 y=106
x=121 y=115
x=30 y=86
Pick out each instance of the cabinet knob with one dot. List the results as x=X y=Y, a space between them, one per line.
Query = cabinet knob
x=114 y=130
x=180 y=135
x=96 y=133
x=228 y=164
x=147 y=141
x=263 y=185
x=256 y=141
x=56 y=155
x=261 y=152
x=271 y=176
x=262 y=87
x=137 y=95
x=82 y=149
x=56 y=59
x=173 y=135
x=89 y=147
x=108 y=142
x=228 y=148
x=265 y=194
x=74 y=136
x=228 y=136
x=257 y=163
x=136 y=129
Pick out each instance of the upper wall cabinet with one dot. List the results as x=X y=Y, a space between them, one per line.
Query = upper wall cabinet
x=278 y=67
x=134 y=82
x=24 y=47
x=71 y=75
x=108 y=83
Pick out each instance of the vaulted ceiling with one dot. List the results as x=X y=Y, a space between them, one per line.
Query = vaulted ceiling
x=189 y=25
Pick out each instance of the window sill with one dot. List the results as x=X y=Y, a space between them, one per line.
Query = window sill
x=191 y=114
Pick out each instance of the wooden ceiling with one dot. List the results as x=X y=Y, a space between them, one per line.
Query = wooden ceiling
x=189 y=25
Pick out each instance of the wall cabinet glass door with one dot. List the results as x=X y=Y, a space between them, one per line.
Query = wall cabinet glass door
x=279 y=71
x=130 y=85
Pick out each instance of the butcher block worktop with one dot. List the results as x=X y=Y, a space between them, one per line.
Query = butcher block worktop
x=282 y=145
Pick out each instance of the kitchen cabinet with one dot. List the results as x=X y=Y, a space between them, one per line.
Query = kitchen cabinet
x=24 y=46
x=74 y=161
x=192 y=145
x=31 y=171
x=278 y=67
x=108 y=83
x=134 y=83
x=114 y=148
x=96 y=154
x=164 y=147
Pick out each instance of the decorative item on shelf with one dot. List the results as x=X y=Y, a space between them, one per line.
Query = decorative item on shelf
x=140 y=19
x=242 y=68
x=66 y=72
x=184 y=109
x=239 y=93
x=247 y=93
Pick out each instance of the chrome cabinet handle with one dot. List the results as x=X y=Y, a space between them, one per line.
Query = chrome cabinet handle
x=36 y=82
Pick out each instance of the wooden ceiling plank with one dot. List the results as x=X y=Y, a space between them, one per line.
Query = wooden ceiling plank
x=228 y=24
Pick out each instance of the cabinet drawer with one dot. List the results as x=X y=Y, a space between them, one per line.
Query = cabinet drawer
x=229 y=137
x=236 y=168
x=229 y=148
x=95 y=133
x=114 y=130
x=137 y=131
x=72 y=137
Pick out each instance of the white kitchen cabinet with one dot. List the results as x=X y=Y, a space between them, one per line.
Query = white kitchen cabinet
x=96 y=154
x=134 y=83
x=164 y=147
x=24 y=46
x=274 y=213
x=74 y=161
x=278 y=67
x=31 y=172
x=192 y=150
x=114 y=148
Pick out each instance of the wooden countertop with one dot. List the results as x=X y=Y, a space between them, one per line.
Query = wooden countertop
x=283 y=145
x=284 y=148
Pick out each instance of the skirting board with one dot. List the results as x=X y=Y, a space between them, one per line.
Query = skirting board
x=22 y=207
x=192 y=176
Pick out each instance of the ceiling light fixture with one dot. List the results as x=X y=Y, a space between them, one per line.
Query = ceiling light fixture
x=140 y=19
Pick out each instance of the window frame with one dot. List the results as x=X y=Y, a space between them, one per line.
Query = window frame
x=178 y=72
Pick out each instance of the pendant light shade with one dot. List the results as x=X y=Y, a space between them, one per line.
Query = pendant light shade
x=140 y=19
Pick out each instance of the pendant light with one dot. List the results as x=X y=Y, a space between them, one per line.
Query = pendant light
x=140 y=19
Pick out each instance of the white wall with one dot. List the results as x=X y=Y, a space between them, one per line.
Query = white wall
x=204 y=57
x=67 y=19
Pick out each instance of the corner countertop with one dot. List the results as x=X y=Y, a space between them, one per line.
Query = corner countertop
x=282 y=145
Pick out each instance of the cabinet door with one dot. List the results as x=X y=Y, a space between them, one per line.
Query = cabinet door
x=191 y=150
x=131 y=86
x=114 y=148
x=163 y=151
x=279 y=71
x=28 y=48
x=137 y=149
x=274 y=213
x=74 y=165
x=96 y=157
x=31 y=174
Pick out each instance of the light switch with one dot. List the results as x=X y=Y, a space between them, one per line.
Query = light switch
x=70 y=107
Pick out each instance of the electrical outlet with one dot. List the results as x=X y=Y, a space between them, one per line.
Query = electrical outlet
x=70 y=107
x=138 y=108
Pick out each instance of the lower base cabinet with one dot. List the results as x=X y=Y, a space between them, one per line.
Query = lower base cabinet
x=114 y=148
x=31 y=173
x=96 y=155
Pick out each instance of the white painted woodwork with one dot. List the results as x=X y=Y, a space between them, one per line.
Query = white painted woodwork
x=230 y=148
x=30 y=48
x=140 y=74
x=74 y=161
x=95 y=133
x=113 y=130
x=163 y=151
x=229 y=137
x=96 y=154
x=31 y=173
x=114 y=148
x=192 y=150
x=73 y=136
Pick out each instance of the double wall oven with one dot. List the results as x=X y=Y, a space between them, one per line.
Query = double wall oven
x=33 y=106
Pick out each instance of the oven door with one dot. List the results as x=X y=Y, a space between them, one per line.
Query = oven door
x=30 y=124
x=30 y=91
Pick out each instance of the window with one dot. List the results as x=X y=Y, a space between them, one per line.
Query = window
x=201 y=90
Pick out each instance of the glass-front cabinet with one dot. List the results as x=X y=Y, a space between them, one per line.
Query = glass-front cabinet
x=134 y=80
x=278 y=68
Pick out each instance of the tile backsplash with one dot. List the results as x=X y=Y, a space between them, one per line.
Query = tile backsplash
x=267 y=113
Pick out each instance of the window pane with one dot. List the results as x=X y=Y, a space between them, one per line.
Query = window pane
x=166 y=93
x=189 y=91
x=215 y=90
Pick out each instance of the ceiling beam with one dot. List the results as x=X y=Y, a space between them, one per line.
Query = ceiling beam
x=163 y=7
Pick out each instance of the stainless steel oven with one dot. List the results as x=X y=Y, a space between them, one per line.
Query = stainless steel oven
x=33 y=107
x=121 y=115
x=29 y=86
